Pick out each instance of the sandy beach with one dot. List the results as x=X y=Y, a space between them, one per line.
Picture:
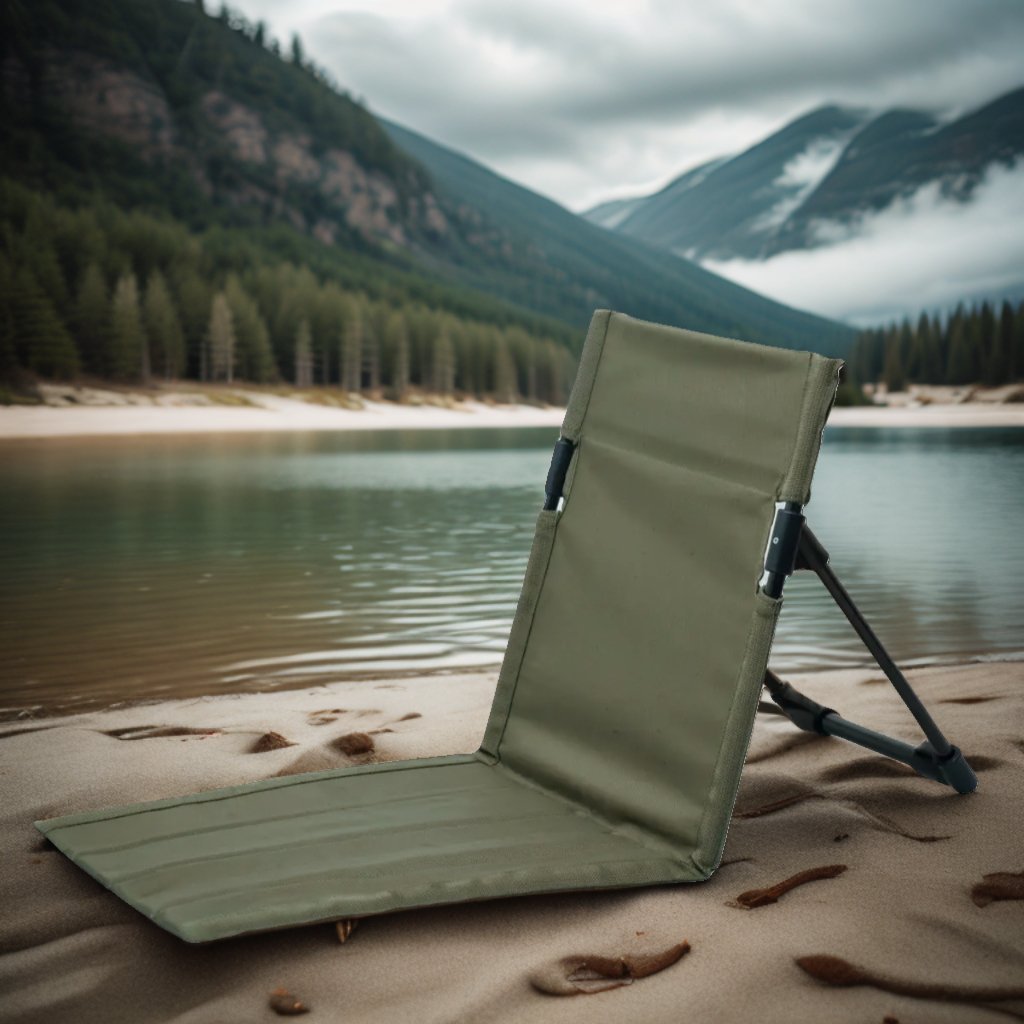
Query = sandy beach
x=195 y=413
x=851 y=890
x=264 y=413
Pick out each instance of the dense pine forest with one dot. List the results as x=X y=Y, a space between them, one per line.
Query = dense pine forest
x=133 y=298
x=976 y=345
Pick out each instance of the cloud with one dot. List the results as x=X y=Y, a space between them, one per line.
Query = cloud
x=585 y=100
x=924 y=252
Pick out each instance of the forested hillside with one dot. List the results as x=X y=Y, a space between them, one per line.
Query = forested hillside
x=130 y=297
x=183 y=198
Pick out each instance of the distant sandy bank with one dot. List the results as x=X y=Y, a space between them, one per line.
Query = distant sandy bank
x=259 y=412
x=93 y=412
x=839 y=864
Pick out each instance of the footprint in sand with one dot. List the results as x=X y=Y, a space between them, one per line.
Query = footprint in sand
x=150 y=732
x=968 y=700
x=354 y=744
x=886 y=768
x=586 y=975
x=777 y=793
x=21 y=732
x=325 y=716
x=270 y=741
x=832 y=970
x=776 y=746
x=754 y=898
x=1002 y=885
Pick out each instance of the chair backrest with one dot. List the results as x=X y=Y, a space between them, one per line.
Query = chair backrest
x=635 y=661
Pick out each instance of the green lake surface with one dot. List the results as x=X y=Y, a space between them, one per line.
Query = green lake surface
x=141 y=568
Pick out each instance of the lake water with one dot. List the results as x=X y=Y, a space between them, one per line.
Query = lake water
x=178 y=566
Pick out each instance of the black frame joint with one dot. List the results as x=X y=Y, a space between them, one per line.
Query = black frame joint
x=780 y=559
x=555 y=483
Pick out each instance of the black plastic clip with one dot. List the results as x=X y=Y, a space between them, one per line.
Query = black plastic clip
x=783 y=545
x=560 y=459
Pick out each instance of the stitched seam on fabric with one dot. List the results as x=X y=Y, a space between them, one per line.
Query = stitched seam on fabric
x=821 y=383
x=264 y=820
x=249 y=789
x=551 y=548
x=784 y=479
x=709 y=805
x=335 y=840
x=593 y=378
x=654 y=877
x=526 y=642
x=679 y=467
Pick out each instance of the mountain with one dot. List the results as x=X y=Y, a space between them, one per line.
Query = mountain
x=732 y=205
x=143 y=137
x=810 y=182
x=555 y=260
x=612 y=213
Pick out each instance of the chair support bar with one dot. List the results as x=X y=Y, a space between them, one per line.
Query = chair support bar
x=953 y=769
x=811 y=555
x=793 y=546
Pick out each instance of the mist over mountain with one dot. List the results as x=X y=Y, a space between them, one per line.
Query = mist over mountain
x=853 y=213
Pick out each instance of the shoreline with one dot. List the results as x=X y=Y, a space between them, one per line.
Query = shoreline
x=910 y=884
x=266 y=413
x=13 y=716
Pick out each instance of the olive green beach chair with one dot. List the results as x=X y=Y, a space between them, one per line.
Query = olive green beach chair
x=626 y=699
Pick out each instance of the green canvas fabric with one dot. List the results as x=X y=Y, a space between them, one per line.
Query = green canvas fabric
x=625 y=702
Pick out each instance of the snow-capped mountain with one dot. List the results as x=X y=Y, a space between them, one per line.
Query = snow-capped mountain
x=809 y=214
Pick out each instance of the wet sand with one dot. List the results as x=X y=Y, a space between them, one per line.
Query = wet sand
x=851 y=890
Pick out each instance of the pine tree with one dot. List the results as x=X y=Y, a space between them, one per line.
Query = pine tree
x=41 y=259
x=960 y=367
x=1017 y=371
x=999 y=365
x=221 y=335
x=504 y=374
x=91 y=320
x=303 y=355
x=163 y=329
x=444 y=362
x=556 y=362
x=398 y=349
x=351 y=347
x=126 y=353
x=8 y=358
x=936 y=352
x=917 y=351
x=254 y=359
x=195 y=297
x=371 y=353
x=894 y=374
x=986 y=344
x=40 y=340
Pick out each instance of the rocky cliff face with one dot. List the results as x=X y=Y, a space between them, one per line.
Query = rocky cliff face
x=235 y=155
x=367 y=201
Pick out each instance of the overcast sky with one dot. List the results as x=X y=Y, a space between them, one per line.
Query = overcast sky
x=583 y=100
